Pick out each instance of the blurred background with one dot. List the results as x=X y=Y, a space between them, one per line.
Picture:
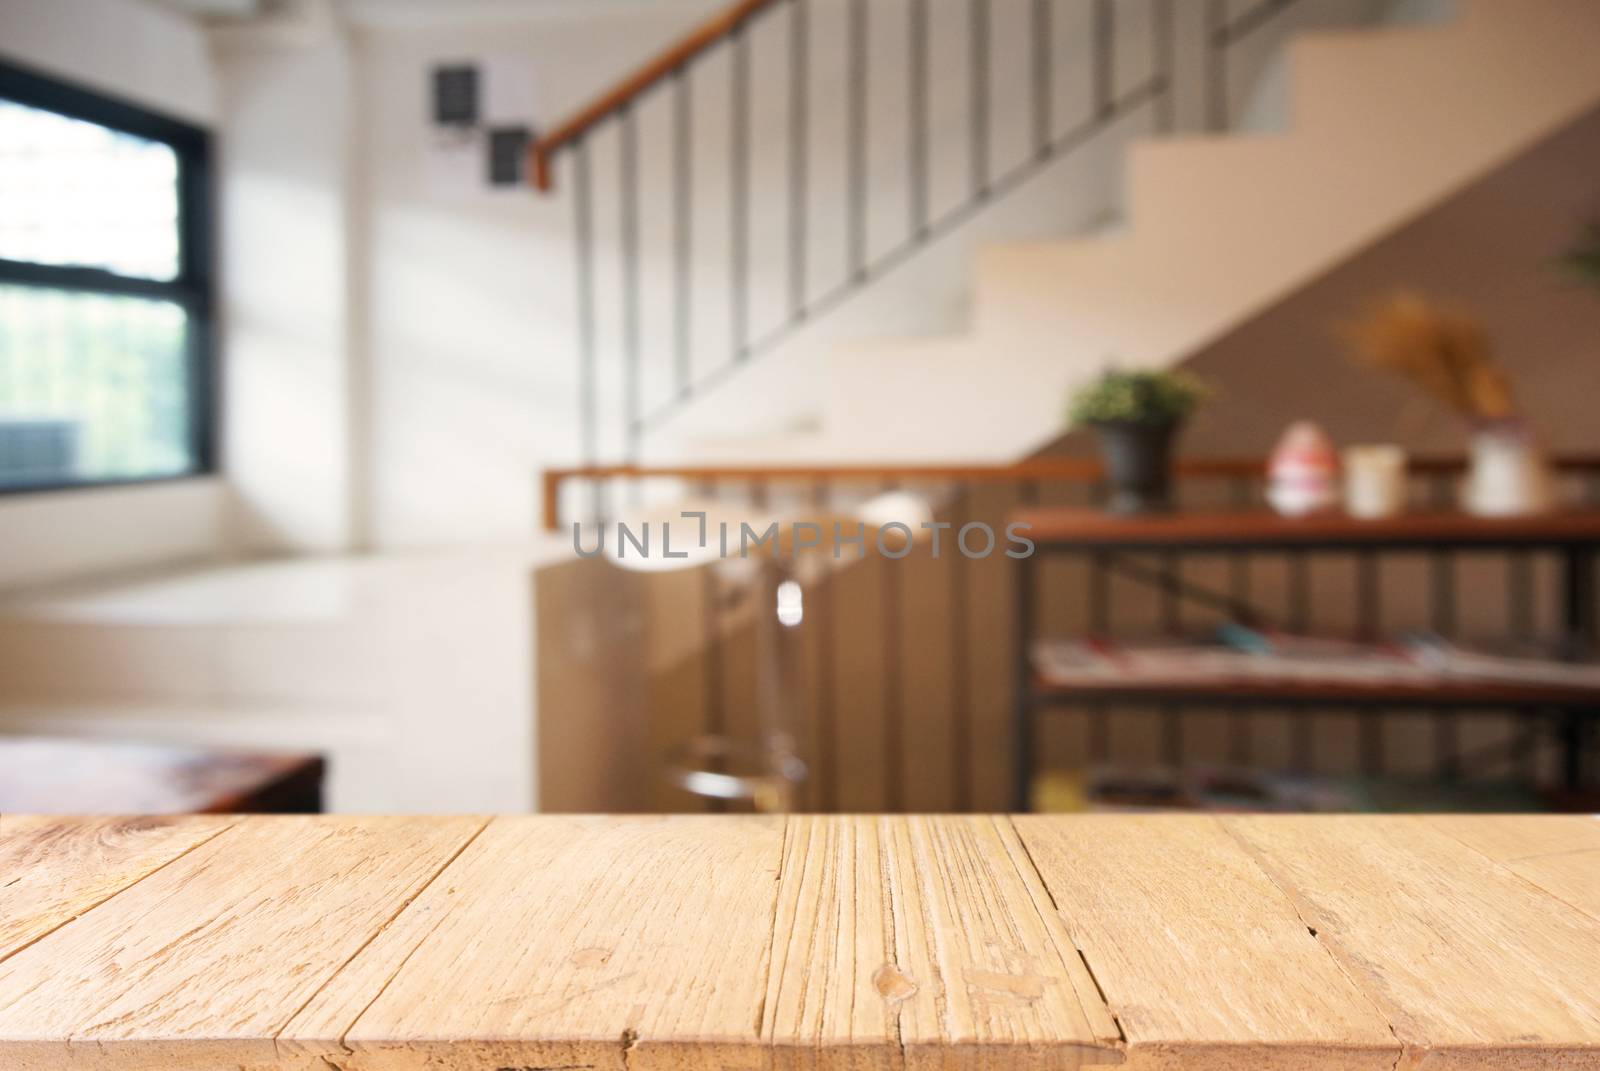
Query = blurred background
x=355 y=354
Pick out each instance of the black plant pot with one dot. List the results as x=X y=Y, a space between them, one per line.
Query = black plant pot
x=1138 y=462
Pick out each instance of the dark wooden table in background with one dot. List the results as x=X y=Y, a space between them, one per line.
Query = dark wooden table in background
x=52 y=775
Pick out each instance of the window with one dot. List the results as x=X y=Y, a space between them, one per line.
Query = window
x=105 y=290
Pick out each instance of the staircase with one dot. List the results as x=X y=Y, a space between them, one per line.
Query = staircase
x=1386 y=123
x=1382 y=122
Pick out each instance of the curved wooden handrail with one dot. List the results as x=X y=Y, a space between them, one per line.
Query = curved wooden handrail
x=703 y=37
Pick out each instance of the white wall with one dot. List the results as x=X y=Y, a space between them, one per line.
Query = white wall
x=122 y=47
x=58 y=535
x=126 y=49
x=286 y=301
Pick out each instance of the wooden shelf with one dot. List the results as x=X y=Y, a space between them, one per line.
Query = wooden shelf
x=1089 y=529
x=1300 y=691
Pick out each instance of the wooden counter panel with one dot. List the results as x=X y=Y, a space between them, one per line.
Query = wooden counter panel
x=1181 y=927
x=54 y=869
x=1469 y=963
x=858 y=943
x=202 y=963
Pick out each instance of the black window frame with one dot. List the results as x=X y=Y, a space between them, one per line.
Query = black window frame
x=194 y=286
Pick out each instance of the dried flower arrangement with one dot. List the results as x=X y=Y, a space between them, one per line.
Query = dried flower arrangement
x=1444 y=351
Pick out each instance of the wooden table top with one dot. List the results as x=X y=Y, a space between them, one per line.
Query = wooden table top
x=1074 y=526
x=754 y=943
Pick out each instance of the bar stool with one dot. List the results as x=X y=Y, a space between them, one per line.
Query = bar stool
x=765 y=771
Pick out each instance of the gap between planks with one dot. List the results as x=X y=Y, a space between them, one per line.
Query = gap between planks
x=390 y=921
x=1033 y=866
x=6 y=954
x=1293 y=900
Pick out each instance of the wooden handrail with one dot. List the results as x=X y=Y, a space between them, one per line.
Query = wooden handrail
x=1062 y=469
x=680 y=53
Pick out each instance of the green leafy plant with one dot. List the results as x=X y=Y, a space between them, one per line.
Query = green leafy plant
x=1583 y=259
x=1136 y=398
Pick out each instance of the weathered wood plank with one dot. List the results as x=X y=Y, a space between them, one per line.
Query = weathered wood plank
x=54 y=869
x=1558 y=853
x=1472 y=966
x=560 y=942
x=755 y=944
x=200 y=964
x=1203 y=961
x=925 y=943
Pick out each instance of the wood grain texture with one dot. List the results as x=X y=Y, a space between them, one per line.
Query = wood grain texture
x=1559 y=853
x=924 y=943
x=54 y=869
x=903 y=943
x=202 y=963
x=1472 y=966
x=556 y=942
x=1182 y=930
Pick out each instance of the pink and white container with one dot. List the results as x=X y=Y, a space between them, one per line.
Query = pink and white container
x=1303 y=472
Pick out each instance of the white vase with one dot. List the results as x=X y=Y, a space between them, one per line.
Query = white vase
x=1374 y=481
x=1507 y=476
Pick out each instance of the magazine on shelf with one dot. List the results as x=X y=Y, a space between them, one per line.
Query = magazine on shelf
x=1241 y=655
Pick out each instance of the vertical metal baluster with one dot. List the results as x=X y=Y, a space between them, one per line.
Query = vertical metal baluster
x=1580 y=626
x=827 y=762
x=1023 y=714
x=716 y=723
x=1216 y=65
x=1239 y=560
x=739 y=199
x=1172 y=736
x=1442 y=590
x=960 y=686
x=1166 y=64
x=1105 y=72
x=917 y=118
x=1241 y=738
x=1369 y=609
x=1299 y=591
x=1100 y=629
x=799 y=155
x=1100 y=595
x=1300 y=739
x=893 y=713
x=1171 y=611
x=628 y=216
x=1519 y=595
x=856 y=164
x=1043 y=78
x=588 y=398
x=1302 y=731
x=683 y=214
x=978 y=40
x=1369 y=616
x=1240 y=723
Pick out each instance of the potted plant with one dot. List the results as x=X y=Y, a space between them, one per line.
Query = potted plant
x=1583 y=259
x=1136 y=417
